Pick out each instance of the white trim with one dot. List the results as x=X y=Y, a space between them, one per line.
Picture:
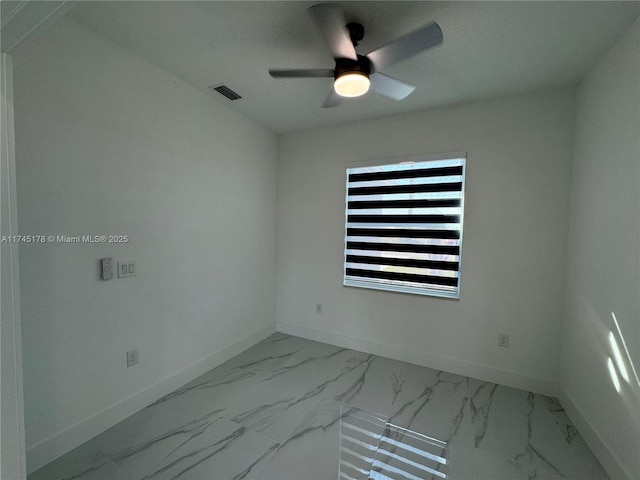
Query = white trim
x=461 y=367
x=61 y=442
x=424 y=157
x=12 y=452
x=427 y=292
x=603 y=452
x=26 y=19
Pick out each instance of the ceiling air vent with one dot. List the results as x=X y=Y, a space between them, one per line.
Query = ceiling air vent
x=226 y=91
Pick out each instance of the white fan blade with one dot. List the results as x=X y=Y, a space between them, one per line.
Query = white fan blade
x=390 y=87
x=407 y=46
x=301 y=73
x=329 y=18
x=332 y=100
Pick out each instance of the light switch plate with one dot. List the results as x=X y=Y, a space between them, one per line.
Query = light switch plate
x=106 y=265
x=126 y=269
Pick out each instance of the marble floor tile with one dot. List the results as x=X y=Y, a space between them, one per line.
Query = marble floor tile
x=290 y=391
x=311 y=450
x=228 y=450
x=591 y=466
x=518 y=426
x=438 y=406
x=70 y=468
x=281 y=409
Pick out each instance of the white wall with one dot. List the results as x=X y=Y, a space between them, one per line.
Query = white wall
x=109 y=144
x=603 y=273
x=517 y=194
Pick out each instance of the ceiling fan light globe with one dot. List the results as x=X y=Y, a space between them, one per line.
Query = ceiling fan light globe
x=352 y=84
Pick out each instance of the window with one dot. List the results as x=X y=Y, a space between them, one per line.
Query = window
x=404 y=225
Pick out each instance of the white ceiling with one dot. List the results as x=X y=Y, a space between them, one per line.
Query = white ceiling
x=490 y=49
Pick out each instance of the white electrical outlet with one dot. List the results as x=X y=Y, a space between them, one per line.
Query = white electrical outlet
x=503 y=340
x=132 y=358
x=318 y=308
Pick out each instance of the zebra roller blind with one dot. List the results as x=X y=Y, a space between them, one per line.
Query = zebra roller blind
x=404 y=226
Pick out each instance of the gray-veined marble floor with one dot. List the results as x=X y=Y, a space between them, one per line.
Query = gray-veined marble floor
x=274 y=413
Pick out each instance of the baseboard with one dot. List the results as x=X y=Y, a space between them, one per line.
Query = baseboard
x=52 y=447
x=605 y=455
x=452 y=365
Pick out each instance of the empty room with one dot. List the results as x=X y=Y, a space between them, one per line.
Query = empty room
x=289 y=240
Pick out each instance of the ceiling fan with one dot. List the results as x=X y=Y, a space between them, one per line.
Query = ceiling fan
x=355 y=74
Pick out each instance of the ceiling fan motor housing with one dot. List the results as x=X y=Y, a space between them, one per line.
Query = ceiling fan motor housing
x=346 y=65
x=356 y=32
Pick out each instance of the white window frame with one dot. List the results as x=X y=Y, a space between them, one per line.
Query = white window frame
x=350 y=281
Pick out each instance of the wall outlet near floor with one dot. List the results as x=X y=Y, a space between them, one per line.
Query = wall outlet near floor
x=318 y=308
x=132 y=358
x=503 y=340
